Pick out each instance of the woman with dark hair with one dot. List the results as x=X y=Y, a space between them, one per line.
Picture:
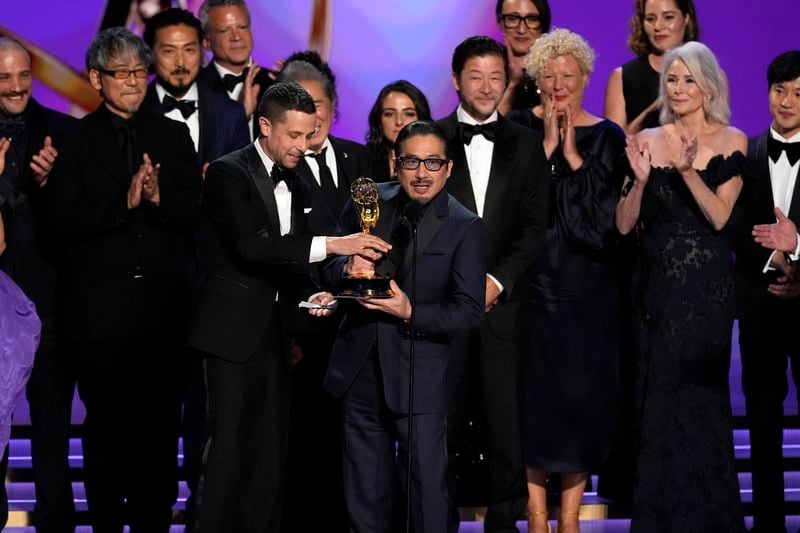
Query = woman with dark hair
x=522 y=22
x=398 y=104
x=657 y=26
x=686 y=178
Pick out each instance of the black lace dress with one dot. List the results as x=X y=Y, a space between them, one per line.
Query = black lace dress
x=683 y=315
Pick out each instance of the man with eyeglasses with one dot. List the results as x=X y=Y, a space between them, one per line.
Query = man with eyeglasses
x=369 y=366
x=124 y=201
x=499 y=173
x=37 y=138
x=522 y=22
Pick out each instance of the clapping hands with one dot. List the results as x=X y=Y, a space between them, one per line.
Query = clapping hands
x=639 y=158
x=144 y=184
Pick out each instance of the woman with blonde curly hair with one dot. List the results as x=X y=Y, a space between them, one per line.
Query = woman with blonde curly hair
x=657 y=26
x=568 y=387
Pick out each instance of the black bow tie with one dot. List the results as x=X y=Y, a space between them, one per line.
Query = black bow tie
x=468 y=131
x=279 y=174
x=186 y=107
x=232 y=80
x=13 y=127
x=775 y=147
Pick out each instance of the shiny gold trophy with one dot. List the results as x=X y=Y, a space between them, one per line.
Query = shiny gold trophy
x=367 y=285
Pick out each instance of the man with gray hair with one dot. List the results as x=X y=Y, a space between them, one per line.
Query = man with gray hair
x=124 y=202
x=232 y=71
x=37 y=136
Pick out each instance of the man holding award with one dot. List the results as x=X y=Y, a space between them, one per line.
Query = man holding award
x=370 y=363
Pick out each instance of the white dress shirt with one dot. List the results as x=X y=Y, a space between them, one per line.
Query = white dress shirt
x=193 y=122
x=237 y=90
x=783 y=177
x=283 y=199
x=330 y=160
x=479 y=160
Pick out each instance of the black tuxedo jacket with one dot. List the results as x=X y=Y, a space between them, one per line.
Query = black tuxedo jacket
x=515 y=211
x=106 y=243
x=210 y=79
x=352 y=162
x=223 y=126
x=250 y=262
x=31 y=255
x=450 y=298
x=756 y=206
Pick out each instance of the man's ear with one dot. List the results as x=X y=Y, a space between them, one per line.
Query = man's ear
x=456 y=85
x=264 y=126
x=94 y=79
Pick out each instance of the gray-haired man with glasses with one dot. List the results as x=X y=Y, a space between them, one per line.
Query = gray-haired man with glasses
x=124 y=200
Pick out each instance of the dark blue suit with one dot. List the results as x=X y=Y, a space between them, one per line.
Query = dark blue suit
x=369 y=366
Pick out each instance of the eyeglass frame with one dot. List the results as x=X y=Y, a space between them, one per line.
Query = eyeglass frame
x=400 y=161
x=116 y=73
x=520 y=20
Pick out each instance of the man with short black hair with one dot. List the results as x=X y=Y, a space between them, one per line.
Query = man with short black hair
x=768 y=287
x=499 y=173
x=243 y=320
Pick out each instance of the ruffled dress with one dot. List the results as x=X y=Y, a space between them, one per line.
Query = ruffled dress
x=684 y=303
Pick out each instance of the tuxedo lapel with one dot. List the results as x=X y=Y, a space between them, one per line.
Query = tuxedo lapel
x=345 y=169
x=505 y=146
x=37 y=131
x=207 y=127
x=298 y=216
x=262 y=183
x=460 y=182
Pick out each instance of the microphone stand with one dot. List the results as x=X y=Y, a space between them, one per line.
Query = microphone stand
x=412 y=332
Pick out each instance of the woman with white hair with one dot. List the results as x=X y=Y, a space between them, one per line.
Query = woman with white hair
x=568 y=391
x=687 y=175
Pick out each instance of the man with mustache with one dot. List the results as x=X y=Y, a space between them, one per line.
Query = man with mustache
x=124 y=203
x=37 y=137
x=216 y=123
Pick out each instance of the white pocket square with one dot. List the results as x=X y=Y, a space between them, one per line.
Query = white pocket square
x=307 y=210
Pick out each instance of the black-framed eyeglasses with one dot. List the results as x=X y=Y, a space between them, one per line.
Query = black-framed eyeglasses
x=412 y=163
x=125 y=73
x=532 y=22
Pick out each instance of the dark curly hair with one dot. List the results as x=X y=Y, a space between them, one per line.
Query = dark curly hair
x=638 y=41
x=377 y=143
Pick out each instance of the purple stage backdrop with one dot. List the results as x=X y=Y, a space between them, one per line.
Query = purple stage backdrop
x=375 y=42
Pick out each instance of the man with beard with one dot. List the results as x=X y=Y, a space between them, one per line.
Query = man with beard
x=217 y=125
x=124 y=203
x=232 y=71
x=37 y=136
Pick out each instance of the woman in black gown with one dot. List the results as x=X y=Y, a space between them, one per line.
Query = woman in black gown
x=569 y=376
x=686 y=179
x=632 y=91
x=398 y=104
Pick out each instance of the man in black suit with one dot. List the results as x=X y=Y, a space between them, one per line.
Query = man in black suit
x=216 y=124
x=768 y=288
x=499 y=173
x=329 y=167
x=243 y=318
x=31 y=261
x=124 y=202
x=232 y=71
x=370 y=362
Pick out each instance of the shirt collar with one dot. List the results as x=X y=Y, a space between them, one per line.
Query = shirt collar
x=268 y=163
x=326 y=144
x=793 y=139
x=222 y=70
x=465 y=117
x=191 y=94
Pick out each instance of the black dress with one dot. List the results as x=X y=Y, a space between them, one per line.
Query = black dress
x=683 y=315
x=640 y=89
x=568 y=388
